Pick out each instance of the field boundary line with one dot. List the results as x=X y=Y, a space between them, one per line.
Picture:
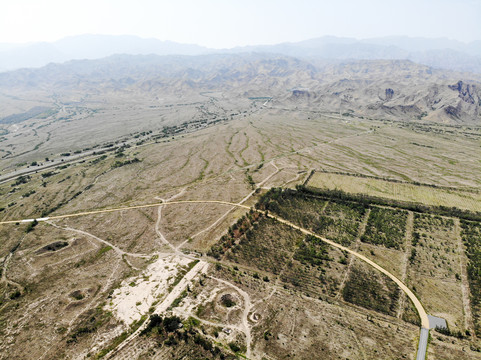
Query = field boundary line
x=419 y=307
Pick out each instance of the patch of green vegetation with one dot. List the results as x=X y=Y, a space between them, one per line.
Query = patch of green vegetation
x=92 y=320
x=28 y=193
x=312 y=251
x=102 y=251
x=119 y=163
x=386 y=227
x=245 y=163
x=202 y=171
x=433 y=244
x=446 y=331
x=234 y=347
x=229 y=143
x=200 y=310
x=234 y=233
x=339 y=220
x=372 y=290
x=99 y=159
x=366 y=200
x=412 y=257
x=153 y=259
x=91 y=259
x=249 y=179
x=48 y=174
x=227 y=300
x=191 y=323
x=178 y=300
x=23 y=179
x=265 y=244
x=258 y=241
x=31 y=226
x=471 y=235
x=170 y=331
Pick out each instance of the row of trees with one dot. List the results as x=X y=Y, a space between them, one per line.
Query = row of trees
x=471 y=235
x=406 y=205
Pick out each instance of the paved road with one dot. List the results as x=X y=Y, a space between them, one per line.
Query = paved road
x=423 y=344
x=420 y=309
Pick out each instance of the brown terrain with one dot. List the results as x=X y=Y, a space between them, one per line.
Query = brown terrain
x=226 y=280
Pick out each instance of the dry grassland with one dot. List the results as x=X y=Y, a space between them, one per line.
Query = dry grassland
x=468 y=200
x=434 y=268
x=266 y=147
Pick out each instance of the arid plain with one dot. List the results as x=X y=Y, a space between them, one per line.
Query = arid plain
x=243 y=284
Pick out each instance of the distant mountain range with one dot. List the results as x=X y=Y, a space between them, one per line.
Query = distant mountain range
x=382 y=89
x=439 y=53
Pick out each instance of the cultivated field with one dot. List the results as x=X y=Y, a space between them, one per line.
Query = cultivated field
x=462 y=199
x=290 y=294
x=428 y=256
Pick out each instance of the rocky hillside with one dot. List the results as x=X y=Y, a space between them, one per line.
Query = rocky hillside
x=395 y=89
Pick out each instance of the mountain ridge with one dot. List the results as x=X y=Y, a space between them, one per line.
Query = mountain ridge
x=436 y=52
x=395 y=89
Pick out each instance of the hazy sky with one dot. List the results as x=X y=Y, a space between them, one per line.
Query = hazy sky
x=229 y=23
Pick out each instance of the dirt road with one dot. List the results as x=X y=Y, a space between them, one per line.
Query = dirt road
x=409 y=293
x=420 y=309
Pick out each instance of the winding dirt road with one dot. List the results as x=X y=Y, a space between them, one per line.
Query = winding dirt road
x=420 y=309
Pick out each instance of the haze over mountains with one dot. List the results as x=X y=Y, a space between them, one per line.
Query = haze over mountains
x=393 y=89
x=168 y=201
x=439 y=53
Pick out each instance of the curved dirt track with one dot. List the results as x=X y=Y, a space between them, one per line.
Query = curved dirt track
x=419 y=308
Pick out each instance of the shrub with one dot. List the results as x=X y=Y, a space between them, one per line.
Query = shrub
x=31 y=225
x=228 y=300
x=234 y=347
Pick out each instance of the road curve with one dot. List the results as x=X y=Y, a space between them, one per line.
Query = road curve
x=422 y=313
x=420 y=309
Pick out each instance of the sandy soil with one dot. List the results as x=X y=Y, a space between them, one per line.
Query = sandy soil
x=137 y=294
